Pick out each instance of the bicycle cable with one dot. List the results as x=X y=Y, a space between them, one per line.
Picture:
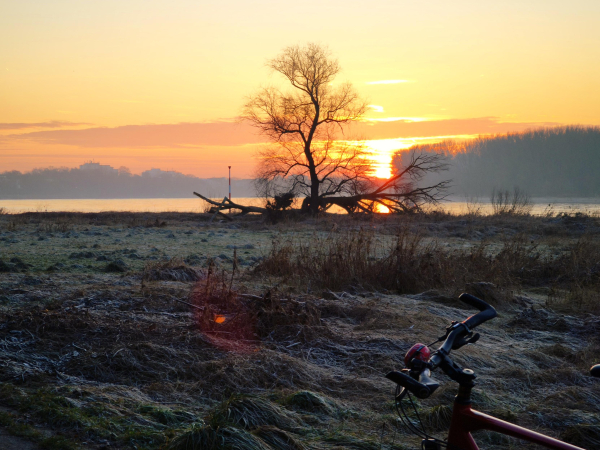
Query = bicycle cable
x=408 y=422
x=436 y=341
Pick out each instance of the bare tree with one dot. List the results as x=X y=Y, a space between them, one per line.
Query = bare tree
x=305 y=124
x=311 y=156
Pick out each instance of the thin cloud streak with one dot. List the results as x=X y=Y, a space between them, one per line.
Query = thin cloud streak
x=159 y=135
x=50 y=124
x=376 y=108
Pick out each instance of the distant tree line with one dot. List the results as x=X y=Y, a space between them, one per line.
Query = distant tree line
x=106 y=182
x=545 y=162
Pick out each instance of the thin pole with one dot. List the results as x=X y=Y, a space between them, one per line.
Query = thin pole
x=229 y=187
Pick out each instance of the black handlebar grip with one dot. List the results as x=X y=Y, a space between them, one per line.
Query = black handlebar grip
x=487 y=311
x=419 y=389
x=595 y=371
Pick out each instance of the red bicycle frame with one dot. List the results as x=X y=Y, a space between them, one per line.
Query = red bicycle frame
x=466 y=420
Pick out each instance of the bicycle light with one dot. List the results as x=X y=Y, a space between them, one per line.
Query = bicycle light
x=419 y=352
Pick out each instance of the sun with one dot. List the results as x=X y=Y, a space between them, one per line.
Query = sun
x=382 y=209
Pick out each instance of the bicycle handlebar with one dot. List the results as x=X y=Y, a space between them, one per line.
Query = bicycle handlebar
x=406 y=381
x=487 y=311
x=460 y=330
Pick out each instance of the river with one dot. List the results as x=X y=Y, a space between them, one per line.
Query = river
x=456 y=205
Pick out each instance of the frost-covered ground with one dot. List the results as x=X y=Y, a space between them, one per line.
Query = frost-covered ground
x=92 y=357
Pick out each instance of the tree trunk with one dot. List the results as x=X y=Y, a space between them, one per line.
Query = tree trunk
x=314 y=197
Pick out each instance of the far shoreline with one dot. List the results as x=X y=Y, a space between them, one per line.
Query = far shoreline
x=456 y=205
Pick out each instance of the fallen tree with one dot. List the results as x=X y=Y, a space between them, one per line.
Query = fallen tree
x=398 y=194
x=227 y=204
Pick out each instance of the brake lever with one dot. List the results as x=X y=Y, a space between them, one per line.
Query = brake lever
x=450 y=328
x=464 y=340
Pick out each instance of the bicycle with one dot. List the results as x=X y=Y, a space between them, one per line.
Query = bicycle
x=416 y=379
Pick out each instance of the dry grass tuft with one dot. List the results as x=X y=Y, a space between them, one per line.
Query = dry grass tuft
x=251 y=413
x=312 y=402
x=5 y=267
x=222 y=315
x=516 y=202
x=586 y=436
x=438 y=418
x=202 y=437
x=238 y=321
x=278 y=439
x=174 y=269
x=226 y=427
x=279 y=318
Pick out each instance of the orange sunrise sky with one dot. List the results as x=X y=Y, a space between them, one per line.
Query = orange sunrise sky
x=146 y=84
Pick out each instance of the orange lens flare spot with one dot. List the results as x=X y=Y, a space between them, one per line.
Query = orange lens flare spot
x=220 y=319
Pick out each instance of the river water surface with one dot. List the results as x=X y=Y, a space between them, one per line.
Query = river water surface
x=456 y=206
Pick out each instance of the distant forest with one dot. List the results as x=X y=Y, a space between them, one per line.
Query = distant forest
x=92 y=180
x=546 y=162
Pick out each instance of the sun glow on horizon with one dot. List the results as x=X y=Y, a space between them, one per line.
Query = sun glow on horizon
x=381 y=151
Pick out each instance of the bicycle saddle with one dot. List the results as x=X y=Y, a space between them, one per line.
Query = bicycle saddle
x=595 y=371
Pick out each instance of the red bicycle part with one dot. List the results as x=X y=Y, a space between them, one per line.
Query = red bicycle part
x=418 y=351
x=466 y=420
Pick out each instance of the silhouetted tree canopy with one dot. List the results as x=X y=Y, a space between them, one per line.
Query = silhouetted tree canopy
x=305 y=123
x=544 y=162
